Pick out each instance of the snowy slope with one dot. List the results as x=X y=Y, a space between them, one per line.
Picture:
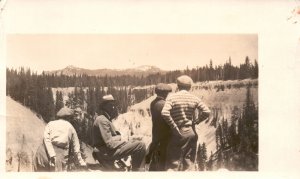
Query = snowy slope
x=24 y=132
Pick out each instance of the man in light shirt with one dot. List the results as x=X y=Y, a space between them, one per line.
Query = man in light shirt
x=59 y=138
x=178 y=112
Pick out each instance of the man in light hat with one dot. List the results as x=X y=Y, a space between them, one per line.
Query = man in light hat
x=59 y=138
x=178 y=112
x=107 y=142
x=160 y=130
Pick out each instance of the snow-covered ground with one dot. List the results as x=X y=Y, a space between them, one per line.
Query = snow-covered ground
x=24 y=133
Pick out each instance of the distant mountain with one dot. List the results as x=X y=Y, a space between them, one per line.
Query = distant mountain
x=144 y=70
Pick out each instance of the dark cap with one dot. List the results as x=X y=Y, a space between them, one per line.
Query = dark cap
x=162 y=87
x=64 y=112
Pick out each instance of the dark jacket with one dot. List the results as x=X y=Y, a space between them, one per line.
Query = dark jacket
x=160 y=129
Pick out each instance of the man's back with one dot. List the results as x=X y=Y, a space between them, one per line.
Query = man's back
x=160 y=128
x=181 y=107
x=60 y=132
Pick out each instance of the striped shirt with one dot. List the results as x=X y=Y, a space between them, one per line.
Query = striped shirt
x=179 y=109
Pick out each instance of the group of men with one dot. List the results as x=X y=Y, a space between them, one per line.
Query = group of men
x=174 y=138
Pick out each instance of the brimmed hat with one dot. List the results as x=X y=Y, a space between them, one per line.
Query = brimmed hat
x=184 y=81
x=162 y=87
x=108 y=97
x=64 y=112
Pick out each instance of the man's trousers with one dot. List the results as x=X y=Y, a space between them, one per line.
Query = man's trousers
x=182 y=150
x=137 y=151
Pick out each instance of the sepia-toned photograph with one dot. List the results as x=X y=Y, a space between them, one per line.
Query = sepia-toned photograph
x=132 y=102
x=140 y=89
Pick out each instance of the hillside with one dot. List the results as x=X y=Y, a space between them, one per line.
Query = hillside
x=24 y=132
x=220 y=101
x=140 y=119
x=144 y=70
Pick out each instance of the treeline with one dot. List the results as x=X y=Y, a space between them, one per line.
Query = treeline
x=35 y=90
x=31 y=90
x=205 y=73
x=236 y=139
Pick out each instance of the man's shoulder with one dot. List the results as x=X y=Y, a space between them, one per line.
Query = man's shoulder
x=60 y=122
x=185 y=95
x=159 y=102
x=101 y=119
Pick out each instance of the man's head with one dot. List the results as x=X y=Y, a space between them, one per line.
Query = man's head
x=109 y=106
x=163 y=90
x=65 y=113
x=184 y=82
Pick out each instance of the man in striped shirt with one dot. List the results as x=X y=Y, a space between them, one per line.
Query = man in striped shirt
x=178 y=112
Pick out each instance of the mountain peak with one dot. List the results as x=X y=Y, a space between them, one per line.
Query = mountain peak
x=146 y=67
x=71 y=67
x=138 y=71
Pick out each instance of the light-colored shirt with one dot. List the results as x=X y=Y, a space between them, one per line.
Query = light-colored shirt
x=105 y=135
x=179 y=109
x=61 y=134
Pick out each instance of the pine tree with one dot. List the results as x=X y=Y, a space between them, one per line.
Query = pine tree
x=204 y=151
x=209 y=164
x=50 y=105
x=59 y=102
x=201 y=157
x=200 y=160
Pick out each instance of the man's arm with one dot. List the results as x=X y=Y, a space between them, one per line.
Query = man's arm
x=204 y=110
x=47 y=141
x=166 y=114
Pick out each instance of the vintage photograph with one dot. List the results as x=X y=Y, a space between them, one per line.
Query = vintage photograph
x=132 y=102
x=138 y=89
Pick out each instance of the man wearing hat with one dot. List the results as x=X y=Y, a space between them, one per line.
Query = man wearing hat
x=178 y=112
x=59 y=138
x=160 y=130
x=107 y=142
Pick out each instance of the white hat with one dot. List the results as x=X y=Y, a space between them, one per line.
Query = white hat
x=185 y=81
x=108 y=97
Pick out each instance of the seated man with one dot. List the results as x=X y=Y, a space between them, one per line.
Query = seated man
x=107 y=142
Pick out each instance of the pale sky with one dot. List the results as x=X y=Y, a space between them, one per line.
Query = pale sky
x=166 y=51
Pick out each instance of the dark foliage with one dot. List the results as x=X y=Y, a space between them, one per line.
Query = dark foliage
x=237 y=143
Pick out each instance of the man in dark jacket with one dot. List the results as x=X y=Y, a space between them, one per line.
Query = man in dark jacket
x=160 y=130
x=108 y=144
